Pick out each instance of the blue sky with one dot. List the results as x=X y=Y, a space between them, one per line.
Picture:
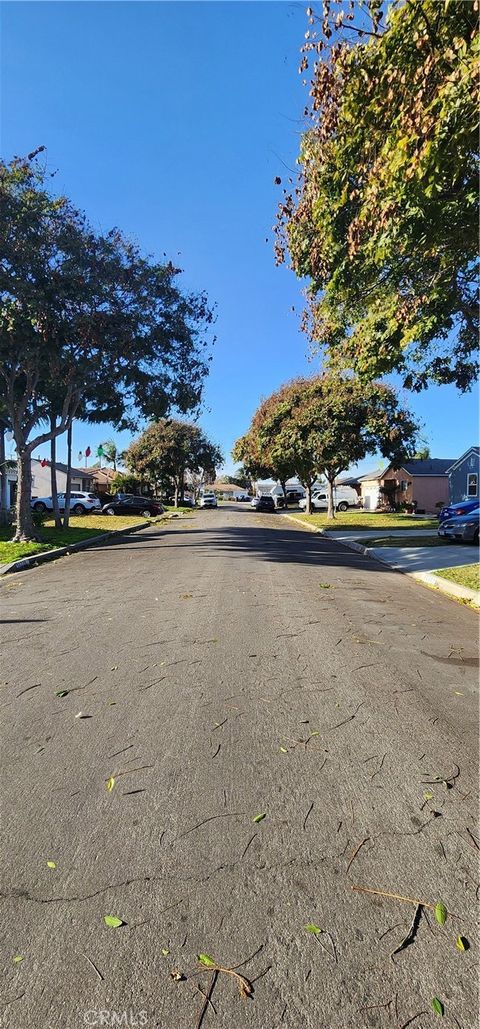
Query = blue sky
x=171 y=120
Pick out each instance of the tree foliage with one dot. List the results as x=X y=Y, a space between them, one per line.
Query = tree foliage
x=383 y=221
x=88 y=326
x=324 y=424
x=167 y=450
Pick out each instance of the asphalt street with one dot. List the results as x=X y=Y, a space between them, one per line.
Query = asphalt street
x=227 y=666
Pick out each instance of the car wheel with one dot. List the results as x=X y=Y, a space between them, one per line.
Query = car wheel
x=109 y=511
x=475 y=538
x=342 y=506
x=79 y=509
x=40 y=508
x=146 y=513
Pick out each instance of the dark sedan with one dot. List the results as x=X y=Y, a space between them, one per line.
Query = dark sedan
x=263 y=503
x=463 y=528
x=126 y=505
x=462 y=508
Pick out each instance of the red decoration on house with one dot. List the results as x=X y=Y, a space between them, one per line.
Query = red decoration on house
x=88 y=452
x=43 y=462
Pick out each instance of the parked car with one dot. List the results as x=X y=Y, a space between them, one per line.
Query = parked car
x=462 y=508
x=242 y=498
x=207 y=499
x=463 y=528
x=186 y=502
x=344 y=497
x=129 y=504
x=80 y=503
x=294 y=497
x=264 y=502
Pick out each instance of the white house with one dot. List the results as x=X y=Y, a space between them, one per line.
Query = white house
x=41 y=481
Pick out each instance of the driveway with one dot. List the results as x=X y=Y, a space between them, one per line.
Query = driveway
x=229 y=667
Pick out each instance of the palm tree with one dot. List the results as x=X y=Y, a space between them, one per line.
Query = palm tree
x=112 y=453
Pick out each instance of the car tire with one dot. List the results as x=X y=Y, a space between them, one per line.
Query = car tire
x=40 y=507
x=146 y=513
x=109 y=511
x=79 y=509
x=475 y=538
x=342 y=506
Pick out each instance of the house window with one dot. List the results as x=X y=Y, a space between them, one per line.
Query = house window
x=403 y=486
x=472 y=484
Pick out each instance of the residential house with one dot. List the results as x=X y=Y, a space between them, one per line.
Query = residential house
x=102 y=479
x=463 y=476
x=41 y=478
x=370 y=484
x=350 y=480
x=420 y=483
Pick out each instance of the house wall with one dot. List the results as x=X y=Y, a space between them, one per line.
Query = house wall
x=426 y=490
x=470 y=464
x=41 y=480
x=369 y=492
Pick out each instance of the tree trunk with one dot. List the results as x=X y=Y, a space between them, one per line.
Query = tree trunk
x=308 y=507
x=68 y=484
x=25 y=528
x=53 y=475
x=331 y=504
x=284 y=487
x=176 y=493
x=4 y=505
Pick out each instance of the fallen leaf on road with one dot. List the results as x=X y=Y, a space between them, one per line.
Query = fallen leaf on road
x=438 y=1006
x=110 y=784
x=165 y=951
x=113 y=921
x=283 y=750
x=62 y=693
x=205 y=959
x=18 y=958
x=440 y=913
x=325 y=586
x=462 y=943
x=311 y=928
x=176 y=975
x=51 y=864
x=428 y=795
x=259 y=818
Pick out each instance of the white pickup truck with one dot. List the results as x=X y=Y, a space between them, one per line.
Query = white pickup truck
x=344 y=497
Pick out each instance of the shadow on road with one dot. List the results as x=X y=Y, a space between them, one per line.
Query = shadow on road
x=267 y=544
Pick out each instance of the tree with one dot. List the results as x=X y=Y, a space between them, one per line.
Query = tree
x=88 y=326
x=324 y=424
x=112 y=453
x=167 y=450
x=422 y=454
x=383 y=221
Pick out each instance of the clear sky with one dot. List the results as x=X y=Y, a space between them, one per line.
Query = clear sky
x=171 y=120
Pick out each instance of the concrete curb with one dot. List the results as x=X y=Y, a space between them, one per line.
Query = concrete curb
x=450 y=589
x=50 y=555
x=453 y=589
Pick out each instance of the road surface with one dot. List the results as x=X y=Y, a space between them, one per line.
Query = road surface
x=228 y=666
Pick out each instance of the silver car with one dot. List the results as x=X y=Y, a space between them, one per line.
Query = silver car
x=463 y=528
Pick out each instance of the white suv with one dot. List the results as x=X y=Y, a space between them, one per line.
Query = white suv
x=208 y=499
x=80 y=503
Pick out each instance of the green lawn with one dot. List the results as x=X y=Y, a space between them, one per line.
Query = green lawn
x=405 y=541
x=80 y=528
x=360 y=520
x=464 y=575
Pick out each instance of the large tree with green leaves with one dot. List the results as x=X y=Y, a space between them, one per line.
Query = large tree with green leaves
x=383 y=220
x=167 y=450
x=89 y=327
x=324 y=424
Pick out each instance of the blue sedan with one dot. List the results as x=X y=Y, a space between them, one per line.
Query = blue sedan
x=463 y=508
x=463 y=528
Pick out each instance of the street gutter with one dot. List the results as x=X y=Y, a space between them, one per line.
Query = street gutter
x=451 y=589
